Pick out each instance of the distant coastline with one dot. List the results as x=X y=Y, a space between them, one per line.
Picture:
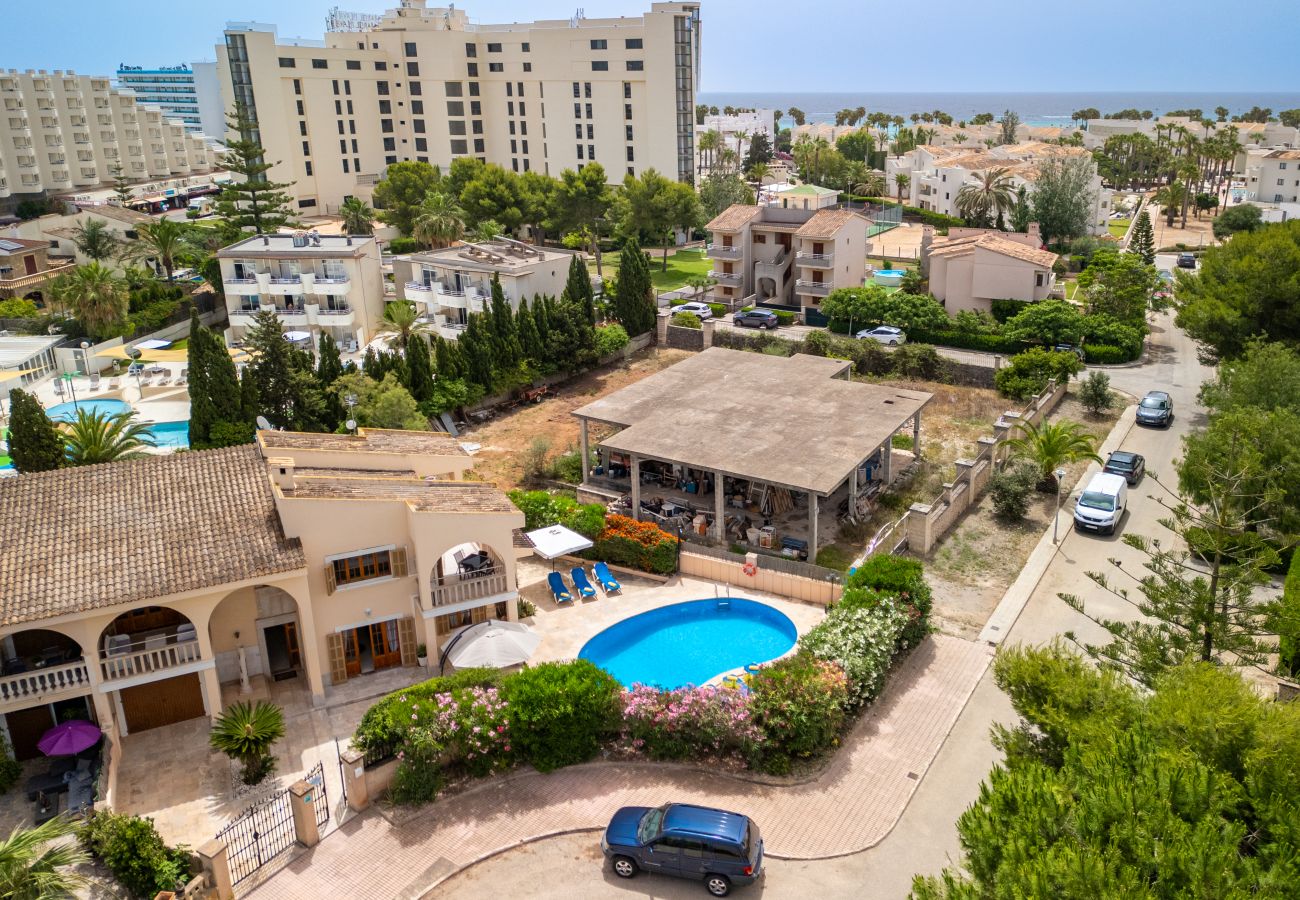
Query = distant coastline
x=1048 y=108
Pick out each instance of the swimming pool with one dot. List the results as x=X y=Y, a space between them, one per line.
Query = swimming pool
x=170 y=435
x=890 y=277
x=66 y=412
x=690 y=643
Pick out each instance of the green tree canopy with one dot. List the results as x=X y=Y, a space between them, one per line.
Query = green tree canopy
x=381 y=404
x=493 y=194
x=95 y=239
x=863 y=307
x=400 y=192
x=1242 y=217
x=251 y=200
x=1049 y=322
x=35 y=444
x=719 y=191
x=1142 y=240
x=1063 y=197
x=634 y=299
x=1119 y=285
x=97 y=437
x=581 y=200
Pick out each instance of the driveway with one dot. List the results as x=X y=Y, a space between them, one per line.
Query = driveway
x=800 y=332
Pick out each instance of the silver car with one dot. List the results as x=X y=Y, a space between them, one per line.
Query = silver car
x=701 y=310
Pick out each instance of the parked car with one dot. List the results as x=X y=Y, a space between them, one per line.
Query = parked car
x=1070 y=348
x=700 y=309
x=1156 y=408
x=885 y=334
x=1187 y=261
x=756 y=318
x=1102 y=504
x=1129 y=466
x=718 y=847
x=1165 y=275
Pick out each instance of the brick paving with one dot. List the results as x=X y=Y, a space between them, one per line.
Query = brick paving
x=849 y=807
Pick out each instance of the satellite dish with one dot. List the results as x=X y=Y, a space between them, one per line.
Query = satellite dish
x=263 y=425
x=352 y=424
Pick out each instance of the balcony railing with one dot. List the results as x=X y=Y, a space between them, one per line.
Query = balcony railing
x=725 y=277
x=151 y=659
x=469 y=588
x=723 y=252
x=52 y=269
x=816 y=260
x=42 y=684
x=241 y=281
x=285 y=279
x=816 y=288
x=337 y=311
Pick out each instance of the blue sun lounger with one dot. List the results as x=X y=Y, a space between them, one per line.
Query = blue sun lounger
x=581 y=583
x=558 y=589
x=606 y=580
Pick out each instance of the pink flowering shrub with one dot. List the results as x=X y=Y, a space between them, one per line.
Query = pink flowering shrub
x=689 y=722
x=799 y=703
x=469 y=726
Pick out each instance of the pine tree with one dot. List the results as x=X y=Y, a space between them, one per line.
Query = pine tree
x=419 y=369
x=252 y=200
x=578 y=288
x=121 y=186
x=1143 y=241
x=35 y=444
x=634 y=301
x=530 y=341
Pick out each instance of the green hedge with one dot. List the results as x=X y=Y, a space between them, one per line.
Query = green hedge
x=1286 y=620
x=401 y=245
x=718 y=309
x=991 y=343
x=1105 y=355
x=1006 y=308
x=784 y=316
x=928 y=216
x=896 y=576
x=133 y=850
x=560 y=713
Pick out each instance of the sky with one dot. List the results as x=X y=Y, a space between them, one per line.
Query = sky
x=760 y=45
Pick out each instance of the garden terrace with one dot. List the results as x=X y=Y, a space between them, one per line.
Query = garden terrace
x=774 y=433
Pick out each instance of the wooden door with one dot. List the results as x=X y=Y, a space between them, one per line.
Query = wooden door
x=406 y=640
x=291 y=643
x=162 y=702
x=26 y=727
x=384 y=646
x=29 y=264
x=352 y=653
x=337 y=660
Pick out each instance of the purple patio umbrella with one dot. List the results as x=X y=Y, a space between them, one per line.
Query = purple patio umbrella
x=69 y=738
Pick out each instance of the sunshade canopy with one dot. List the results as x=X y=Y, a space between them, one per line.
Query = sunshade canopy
x=68 y=738
x=493 y=643
x=555 y=541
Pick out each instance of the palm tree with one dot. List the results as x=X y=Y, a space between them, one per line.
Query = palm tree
x=709 y=143
x=901 y=181
x=439 y=221
x=99 y=299
x=98 y=437
x=401 y=318
x=741 y=137
x=245 y=732
x=35 y=863
x=162 y=240
x=757 y=172
x=95 y=239
x=728 y=161
x=1052 y=445
x=358 y=217
x=989 y=197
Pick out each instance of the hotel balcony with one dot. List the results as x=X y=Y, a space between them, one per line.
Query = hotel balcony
x=816 y=260
x=282 y=284
x=241 y=286
x=328 y=285
x=333 y=318
x=419 y=292
x=462 y=592
x=812 y=288
x=732 y=278
x=45 y=685
x=123 y=659
x=718 y=251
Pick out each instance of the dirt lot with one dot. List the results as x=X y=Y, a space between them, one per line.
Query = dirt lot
x=505 y=437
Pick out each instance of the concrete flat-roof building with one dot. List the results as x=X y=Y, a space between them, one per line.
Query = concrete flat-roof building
x=762 y=434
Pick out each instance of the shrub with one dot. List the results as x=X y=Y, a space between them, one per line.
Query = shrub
x=638 y=545
x=799 y=706
x=718 y=309
x=1011 y=489
x=18 y=308
x=689 y=722
x=386 y=724
x=10 y=769
x=1030 y=372
x=1006 y=308
x=784 y=316
x=401 y=245
x=525 y=608
x=677 y=301
x=989 y=342
x=533 y=459
x=559 y=713
x=686 y=320
x=419 y=776
x=863 y=641
x=886 y=575
x=1105 y=355
x=1095 y=393
x=568 y=467
x=543 y=508
x=918 y=361
x=463 y=726
x=610 y=339
x=1285 y=619
x=135 y=853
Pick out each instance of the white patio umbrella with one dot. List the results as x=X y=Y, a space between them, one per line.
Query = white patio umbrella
x=556 y=541
x=295 y=336
x=492 y=643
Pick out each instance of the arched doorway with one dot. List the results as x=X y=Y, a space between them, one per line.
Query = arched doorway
x=44 y=682
x=149 y=654
x=464 y=580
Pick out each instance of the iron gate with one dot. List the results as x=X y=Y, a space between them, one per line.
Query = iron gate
x=265 y=830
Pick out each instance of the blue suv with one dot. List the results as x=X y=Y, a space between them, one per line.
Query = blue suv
x=718 y=847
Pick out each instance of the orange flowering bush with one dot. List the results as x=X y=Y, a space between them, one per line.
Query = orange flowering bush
x=637 y=545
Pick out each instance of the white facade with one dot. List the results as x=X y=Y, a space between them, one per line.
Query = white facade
x=170 y=88
x=207 y=90
x=1273 y=176
x=428 y=84
x=62 y=132
x=1269 y=134
x=315 y=284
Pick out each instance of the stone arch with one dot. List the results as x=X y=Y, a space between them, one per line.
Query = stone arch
x=237 y=629
x=457 y=564
x=41 y=647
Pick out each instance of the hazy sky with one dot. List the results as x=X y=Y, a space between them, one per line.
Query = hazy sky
x=754 y=45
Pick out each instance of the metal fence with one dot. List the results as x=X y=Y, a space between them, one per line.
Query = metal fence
x=773 y=561
x=265 y=830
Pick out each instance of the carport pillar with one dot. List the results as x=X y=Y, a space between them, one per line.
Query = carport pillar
x=719 y=508
x=586 y=453
x=887 y=460
x=853 y=491
x=916 y=434
x=636 y=487
x=812 y=527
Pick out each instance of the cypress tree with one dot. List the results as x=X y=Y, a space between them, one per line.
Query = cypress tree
x=475 y=347
x=1143 y=241
x=530 y=341
x=329 y=366
x=541 y=316
x=35 y=444
x=634 y=302
x=447 y=359
x=370 y=363
x=272 y=369
x=577 y=288
x=419 y=368
x=202 y=410
x=505 y=337
x=248 y=399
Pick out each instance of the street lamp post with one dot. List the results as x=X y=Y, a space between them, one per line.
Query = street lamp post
x=351 y=401
x=1056 y=517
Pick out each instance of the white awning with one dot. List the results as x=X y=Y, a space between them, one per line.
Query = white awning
x=555 y=541
x=152 y=344
x=297 y=335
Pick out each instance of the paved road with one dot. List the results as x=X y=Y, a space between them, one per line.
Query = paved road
x=925 y=838
x=799 y=332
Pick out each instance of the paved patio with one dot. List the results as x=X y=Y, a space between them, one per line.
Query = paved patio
x=850 y=806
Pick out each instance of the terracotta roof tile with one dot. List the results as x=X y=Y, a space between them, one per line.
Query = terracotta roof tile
x=825 y=223
x=733 y=218
x=130 y=531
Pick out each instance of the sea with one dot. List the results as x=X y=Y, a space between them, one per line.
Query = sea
x=1034 y=108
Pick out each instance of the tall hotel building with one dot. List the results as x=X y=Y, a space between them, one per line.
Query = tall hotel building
x=426 y=84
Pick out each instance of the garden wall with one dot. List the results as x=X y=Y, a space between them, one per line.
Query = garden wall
x=765 y=578
x=679 y=338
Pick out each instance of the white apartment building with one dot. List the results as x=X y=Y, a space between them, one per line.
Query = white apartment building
x=191 y=94
x=1269 y=134
x=428 y=84
x=738 y=129
x=449 y=284
x=1272 y=176
x=315 y=283
x=62 y=132
x=936 y=174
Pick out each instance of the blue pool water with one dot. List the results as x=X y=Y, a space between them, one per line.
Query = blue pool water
x=171 y=435
x=66 y=412
x=689 y=643
x=892 y=272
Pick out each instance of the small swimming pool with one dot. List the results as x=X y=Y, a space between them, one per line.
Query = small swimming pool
x=170 y=435
x=66 y=412
x=890 y=277
x=690 y=643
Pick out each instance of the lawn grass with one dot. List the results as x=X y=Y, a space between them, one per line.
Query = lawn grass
x=682 y=266
x=1118 y=227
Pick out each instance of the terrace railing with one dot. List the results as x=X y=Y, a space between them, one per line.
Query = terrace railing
x=473 y=587
x=153 y=659
x=45 y=684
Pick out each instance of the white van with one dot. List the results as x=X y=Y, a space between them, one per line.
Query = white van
x=1102 y=504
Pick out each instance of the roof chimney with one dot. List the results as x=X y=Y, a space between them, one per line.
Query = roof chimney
x=266 y=241
x=1034 y=232
x=282 y=472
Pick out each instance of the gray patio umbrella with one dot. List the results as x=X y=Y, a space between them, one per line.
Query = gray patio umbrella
x=493 y=643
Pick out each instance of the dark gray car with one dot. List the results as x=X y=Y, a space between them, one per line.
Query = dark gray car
x=756 y=318
x=1156 y=408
